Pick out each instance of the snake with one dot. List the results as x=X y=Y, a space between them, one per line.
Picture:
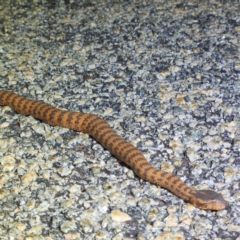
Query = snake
x=124 y=151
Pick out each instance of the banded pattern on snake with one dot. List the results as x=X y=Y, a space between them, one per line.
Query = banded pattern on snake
x=100 y=130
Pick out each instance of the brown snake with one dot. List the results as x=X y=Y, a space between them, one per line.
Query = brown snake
x=121 y=149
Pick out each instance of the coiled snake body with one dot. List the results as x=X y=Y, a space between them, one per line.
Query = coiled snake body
x=121 y=149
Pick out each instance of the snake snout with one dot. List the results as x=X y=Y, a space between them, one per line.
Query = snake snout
x=208 y=199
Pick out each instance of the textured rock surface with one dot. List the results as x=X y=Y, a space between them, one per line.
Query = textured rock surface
x=164 y=74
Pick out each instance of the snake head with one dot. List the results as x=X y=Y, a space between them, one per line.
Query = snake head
x=208 y=199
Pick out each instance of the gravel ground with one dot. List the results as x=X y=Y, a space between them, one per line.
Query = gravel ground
x=164 y=74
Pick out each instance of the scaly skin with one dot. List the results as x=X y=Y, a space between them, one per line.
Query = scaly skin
x=123 y=150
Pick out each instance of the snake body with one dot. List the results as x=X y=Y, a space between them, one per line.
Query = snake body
x=101 y=131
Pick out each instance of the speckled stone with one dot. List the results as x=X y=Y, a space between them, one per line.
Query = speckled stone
x=166 y=77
